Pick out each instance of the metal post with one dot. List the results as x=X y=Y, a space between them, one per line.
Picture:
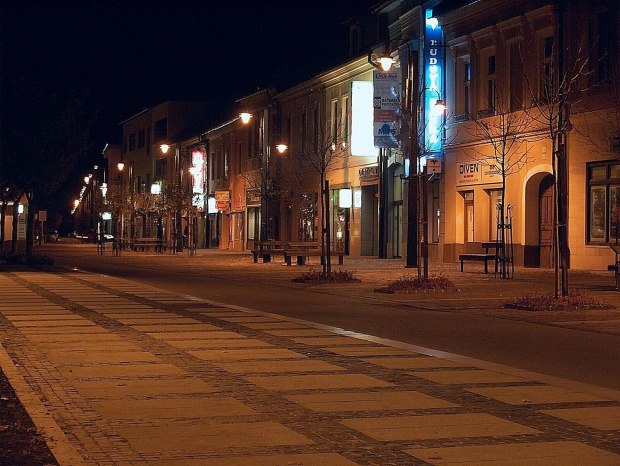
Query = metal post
x=382 y=204
x=264 y=201
x=327 y=237
x=412 y=221
x=179 y=213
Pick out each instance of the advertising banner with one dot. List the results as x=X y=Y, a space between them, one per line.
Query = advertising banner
x=386 y=109
x=222 y=200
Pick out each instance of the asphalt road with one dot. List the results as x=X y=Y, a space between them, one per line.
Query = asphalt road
x=582 y=356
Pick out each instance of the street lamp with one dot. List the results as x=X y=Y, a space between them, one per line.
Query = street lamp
x=417 y=244
x=177 y=240
x=384 y=63
x=267 y=140
x=121 y=167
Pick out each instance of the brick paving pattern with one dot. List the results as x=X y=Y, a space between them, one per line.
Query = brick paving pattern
x=132 y=374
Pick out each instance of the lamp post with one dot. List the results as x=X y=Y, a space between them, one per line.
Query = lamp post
x=417 y=211
x=177 y=240
x=385 y=62
x=267 y=141
x=121 y=166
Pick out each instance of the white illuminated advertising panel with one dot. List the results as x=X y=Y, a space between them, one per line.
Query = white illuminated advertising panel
x=362 y=140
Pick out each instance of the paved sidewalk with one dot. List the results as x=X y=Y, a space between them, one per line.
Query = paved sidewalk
x=116 y=372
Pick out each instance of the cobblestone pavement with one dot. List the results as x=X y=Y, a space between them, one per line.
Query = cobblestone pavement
x=117 y=372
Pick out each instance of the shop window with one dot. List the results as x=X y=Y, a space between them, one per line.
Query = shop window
x=468 y=216
x=495 y=197
x=604 y=202
x=236 y=225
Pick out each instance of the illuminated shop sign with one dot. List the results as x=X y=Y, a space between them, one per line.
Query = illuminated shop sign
x=222 y=200
x=197 y=171
x=433 y=84
x=385 y=109
x=477 y=172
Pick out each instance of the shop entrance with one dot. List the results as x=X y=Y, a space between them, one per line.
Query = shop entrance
x=369 y=221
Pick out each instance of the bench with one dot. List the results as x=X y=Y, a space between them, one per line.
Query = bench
x=266 y=249
x=303 y=256
x=144 y=244
x=478 y=257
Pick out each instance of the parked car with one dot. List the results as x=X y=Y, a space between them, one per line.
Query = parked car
x=51 y=236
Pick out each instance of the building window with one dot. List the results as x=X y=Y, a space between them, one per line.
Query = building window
x=345 y=121
x=334 y=122
x=160 y=169
x=304 y=132
x=604 y=202
x=140 y=138
x=226 y=163
x=148 y=140
x=495 y=197
x=289 y=133
x=315 y=127
x=238 y=161
x=516 y=77
x=161 y=129
x=546 y=71
x=603 y=35
x=490 y=80
x=466 y=82
x=462 y=79
x=132 y=142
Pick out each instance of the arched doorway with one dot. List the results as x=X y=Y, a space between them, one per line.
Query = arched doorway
x=539 y=221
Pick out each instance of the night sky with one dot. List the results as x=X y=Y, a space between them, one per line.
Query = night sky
x=130 y=55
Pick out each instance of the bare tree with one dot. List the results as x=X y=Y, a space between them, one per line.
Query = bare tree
x=178 y=200
x=560 y=81
x=506 y=133
x=118 y=202
x=319 y=151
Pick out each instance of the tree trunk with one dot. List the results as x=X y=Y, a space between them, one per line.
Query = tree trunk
x=15 y=222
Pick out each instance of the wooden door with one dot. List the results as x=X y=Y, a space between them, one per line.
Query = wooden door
x=545 y=222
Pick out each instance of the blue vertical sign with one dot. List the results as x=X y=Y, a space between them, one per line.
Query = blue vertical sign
x=433 y=86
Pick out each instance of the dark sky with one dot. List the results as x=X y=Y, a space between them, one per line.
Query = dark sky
x=130 y=55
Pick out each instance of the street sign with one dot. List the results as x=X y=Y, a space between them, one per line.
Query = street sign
x=433 y=165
